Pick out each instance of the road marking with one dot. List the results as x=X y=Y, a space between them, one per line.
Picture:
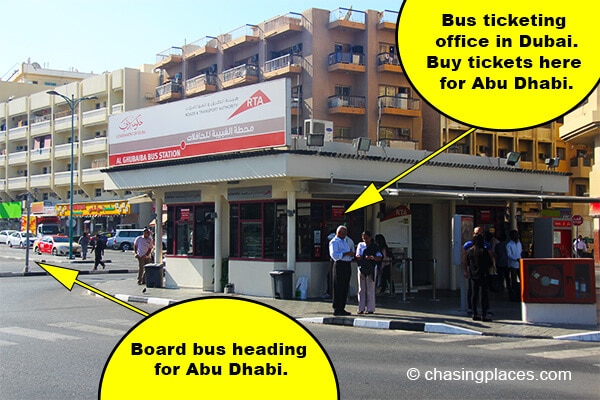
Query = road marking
x=118 y=321
x=521 y=344
x=566 y=354
x=5 y=343
x=440 y=338
x=95 y=329
x=36 y=334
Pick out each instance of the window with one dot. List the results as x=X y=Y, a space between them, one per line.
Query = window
x=341 y=133
x=258 y=230
x=386 y=133
x=98 y=192
x=190 y=230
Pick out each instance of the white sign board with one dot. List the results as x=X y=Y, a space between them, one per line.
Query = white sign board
x=250 y=117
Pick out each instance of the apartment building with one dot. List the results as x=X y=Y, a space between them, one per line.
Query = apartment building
x=343 y=65
x=35 y=138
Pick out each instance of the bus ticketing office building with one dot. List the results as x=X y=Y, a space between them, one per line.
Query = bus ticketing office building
x=240 y=190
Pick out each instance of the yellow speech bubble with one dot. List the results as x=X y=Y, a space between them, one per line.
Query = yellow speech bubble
x=219 y=347
x=501 y=65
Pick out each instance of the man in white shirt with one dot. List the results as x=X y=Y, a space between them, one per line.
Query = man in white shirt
x=514 y=249
x=341 y=254
x=142 y=250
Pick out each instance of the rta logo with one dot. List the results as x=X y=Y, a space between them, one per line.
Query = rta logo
x=257 y=99
x=131 y=123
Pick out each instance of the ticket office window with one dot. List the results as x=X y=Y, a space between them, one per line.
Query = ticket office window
x=258 y=230
x=190 y=230
x=316 y=220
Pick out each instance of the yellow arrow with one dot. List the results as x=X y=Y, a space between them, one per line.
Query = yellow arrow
x=68 y=277
x=372 y=195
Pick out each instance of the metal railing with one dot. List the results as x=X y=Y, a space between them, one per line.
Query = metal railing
x=245 y=30
x=168 y=88
x=204 y=79
x=404 y=103
x=171 y=51
x=282 y=21
x=388 y=16
x=387 y=58
x=240 y=71
x=346 y=58
x=347 y=14
x=346 y=101
x=282 y=62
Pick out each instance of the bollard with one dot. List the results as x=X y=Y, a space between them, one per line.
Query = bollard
x=434 y=299
x=405 y=264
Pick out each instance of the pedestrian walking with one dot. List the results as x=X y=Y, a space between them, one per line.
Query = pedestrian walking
x=479 y=262
x=142 y=250
x=98 y=249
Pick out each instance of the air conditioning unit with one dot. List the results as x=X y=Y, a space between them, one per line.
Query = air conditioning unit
x=20 y=148
x=319 y=127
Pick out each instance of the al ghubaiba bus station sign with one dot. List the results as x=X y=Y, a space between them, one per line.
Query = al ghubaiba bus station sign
x=247 y=118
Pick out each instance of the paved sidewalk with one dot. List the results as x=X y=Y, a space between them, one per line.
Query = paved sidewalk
x=420 y=314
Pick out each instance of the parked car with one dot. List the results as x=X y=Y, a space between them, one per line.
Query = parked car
x=110 y=242
x=57 y=245
x=4 y=234
x=124 y=238
x=18 y=239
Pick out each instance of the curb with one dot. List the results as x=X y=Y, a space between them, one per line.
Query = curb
x=84 y=272
x=158 y=301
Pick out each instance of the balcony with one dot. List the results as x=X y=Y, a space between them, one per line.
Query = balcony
x=18 y=183
x=201 y=84
x=347 y=19
x=64 y=150
x=40 y=181
x=244 y=35
x=95 y=117
x=41 y=126
x=169 y=57
x=200 y=48
x=2 y=135
x=19 y=132
x=117 y=108
x=40 y=155
x=92 y=175
x=97 y=145
x=388 y=62
x=580 y=167
x=168 y=92
x=387 y=20
x=64 y=178
x=291 y=22
x=403 y=106
x=282 y=66
x=346 y=62
x=240 y=75
x=3 y=185
x=354 y=105
x=62 y=121
x=17 y=158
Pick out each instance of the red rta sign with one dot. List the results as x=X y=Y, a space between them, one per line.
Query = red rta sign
x=577 y=220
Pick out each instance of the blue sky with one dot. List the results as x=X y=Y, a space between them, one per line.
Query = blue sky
x=97 y=36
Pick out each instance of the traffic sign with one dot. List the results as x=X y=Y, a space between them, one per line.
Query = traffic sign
x=577 y=220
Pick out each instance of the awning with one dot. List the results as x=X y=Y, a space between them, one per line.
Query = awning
x=143 y=198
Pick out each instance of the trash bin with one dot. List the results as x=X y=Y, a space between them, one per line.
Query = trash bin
x=154 y=275
x=282 y=284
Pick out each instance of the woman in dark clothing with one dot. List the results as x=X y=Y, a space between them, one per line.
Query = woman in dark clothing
x=386 y=263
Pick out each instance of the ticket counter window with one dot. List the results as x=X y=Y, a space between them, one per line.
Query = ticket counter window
x=258 y=230
x=190 y=231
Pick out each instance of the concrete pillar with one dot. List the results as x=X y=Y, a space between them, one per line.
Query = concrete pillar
x=218 y=238
x=513 y=215
x=291 y=229
x=158 y=203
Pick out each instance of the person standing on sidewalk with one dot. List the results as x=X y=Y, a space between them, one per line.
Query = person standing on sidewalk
x=479 y=262
x=84 y=241
x=514 y=250
x=341 y=254
x=98 y=249
x=368 y=256
x=142 y=250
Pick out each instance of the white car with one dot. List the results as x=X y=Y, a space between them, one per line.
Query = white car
x=4 y=234
x=18 y=239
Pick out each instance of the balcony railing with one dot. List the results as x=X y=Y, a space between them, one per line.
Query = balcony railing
x=284 y=23
x=240 y=71
x=346 y=58
x=170 y=54
x=403 y=103
x=244 y=34
x=347 y=14
x=387 y=19
x=168 y=90
x=282 y=62
x=200 y=81
x=205 y=45
x=346 y=101
x=387 y=59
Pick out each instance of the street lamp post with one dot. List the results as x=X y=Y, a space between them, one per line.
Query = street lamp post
x=72 y=102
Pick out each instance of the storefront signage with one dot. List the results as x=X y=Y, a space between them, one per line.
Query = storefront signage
x=185 y=214
x=251 y=117
x=100 y=209
x=191 y=196
x=250 y=193
x=594 y=209
x=400 y=211
x=561 y=223
x=337 y=211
